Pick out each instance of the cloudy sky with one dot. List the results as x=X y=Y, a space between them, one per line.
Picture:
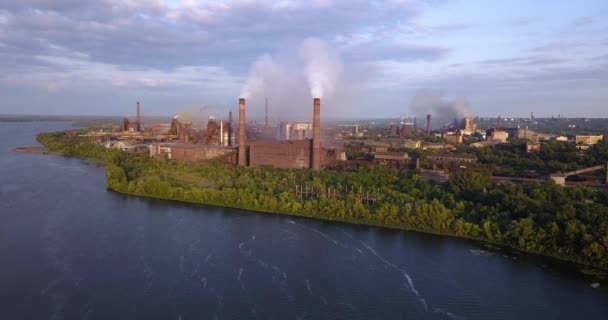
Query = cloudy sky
x=504 y=57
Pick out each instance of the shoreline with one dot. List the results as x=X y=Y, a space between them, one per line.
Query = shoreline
x=35 y=150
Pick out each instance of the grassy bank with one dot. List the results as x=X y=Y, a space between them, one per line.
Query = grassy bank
x=569 y=224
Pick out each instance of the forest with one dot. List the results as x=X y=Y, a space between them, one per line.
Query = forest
x=543 y=218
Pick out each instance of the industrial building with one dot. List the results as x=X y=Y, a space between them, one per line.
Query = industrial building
x=189 y=152
x=295 y=131
x=497 y=135
x=588 y=139
x=533 y=146
x=450 y=161
x=470 y=127
x=132 y=126
x=296 y=153
x=348 y=130
x=407 y=129
x=397 y=160
x=455 y=138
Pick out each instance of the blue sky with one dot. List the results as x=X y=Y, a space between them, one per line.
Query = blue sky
x=507 y=57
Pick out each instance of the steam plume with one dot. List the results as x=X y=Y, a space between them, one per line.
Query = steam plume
x=443 y=109
x=323 y=67
x=262 y=73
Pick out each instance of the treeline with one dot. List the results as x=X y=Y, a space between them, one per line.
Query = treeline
x=568 y=223
x=511 y=159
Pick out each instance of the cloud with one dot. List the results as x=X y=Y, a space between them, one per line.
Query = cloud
x=374 y=51
x=54 y=74
x=525 y=61
x=557 y=46
x=601 y=58
x=193 y=48
x=583 y=21
x=522 y=22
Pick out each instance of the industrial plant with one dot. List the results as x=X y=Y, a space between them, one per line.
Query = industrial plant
x=297 y=144
x=303 y=145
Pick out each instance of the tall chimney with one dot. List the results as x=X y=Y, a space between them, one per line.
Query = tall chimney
x=316 y=134
x=138 y=118
x=230 y=129
x=428 y=124
x=242 y=134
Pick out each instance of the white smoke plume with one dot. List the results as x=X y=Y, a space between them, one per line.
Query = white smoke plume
x=261 y=76
x=289 y=76
x=323 y=67
x=443 y=110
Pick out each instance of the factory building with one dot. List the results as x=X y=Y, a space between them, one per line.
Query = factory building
x=533 y=146
x=348 y=130
x=295 y=131
x=292 y=154
x=286 y=154
x=497 y=135
x=393 y=130
x=469 y=127
x=188 y=152
x=397 y=160
x=132 y=126
x=588 y=139
x=455 y=138
x=450 y=161
x=407 y=129
x=304 y=151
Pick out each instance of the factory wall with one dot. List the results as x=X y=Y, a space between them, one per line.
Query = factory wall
x=187 y=152
x=285 y=154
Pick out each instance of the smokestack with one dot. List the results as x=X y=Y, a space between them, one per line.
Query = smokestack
x=316 y=135
x=230 y=129
x=138 y=118
x=221 y=140
x=428 y=124
x=242 y=134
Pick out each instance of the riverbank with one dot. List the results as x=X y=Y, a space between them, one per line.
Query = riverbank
x=541 y=219
x=36 y=150
x=591 y=271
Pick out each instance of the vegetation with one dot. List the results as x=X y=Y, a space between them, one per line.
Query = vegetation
x=570 y=224
x=511 y=159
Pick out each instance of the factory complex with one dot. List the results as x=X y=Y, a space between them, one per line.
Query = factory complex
x=303 y=145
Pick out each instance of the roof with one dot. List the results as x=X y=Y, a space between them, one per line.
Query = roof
x=452 y=156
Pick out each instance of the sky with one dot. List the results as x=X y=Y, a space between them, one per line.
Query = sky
x=98 y=57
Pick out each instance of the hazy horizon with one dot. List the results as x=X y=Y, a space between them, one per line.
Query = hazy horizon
x=368 y=60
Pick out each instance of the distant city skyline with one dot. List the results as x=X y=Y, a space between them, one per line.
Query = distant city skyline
x=86 y=57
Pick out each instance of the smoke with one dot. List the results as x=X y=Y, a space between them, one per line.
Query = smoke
x=276 y=75
x=323 y=67
x=444 y=110
x=197 y=113
x=290 y=76
x=261 y=76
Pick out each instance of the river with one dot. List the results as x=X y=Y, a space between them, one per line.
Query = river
x=73 y=250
